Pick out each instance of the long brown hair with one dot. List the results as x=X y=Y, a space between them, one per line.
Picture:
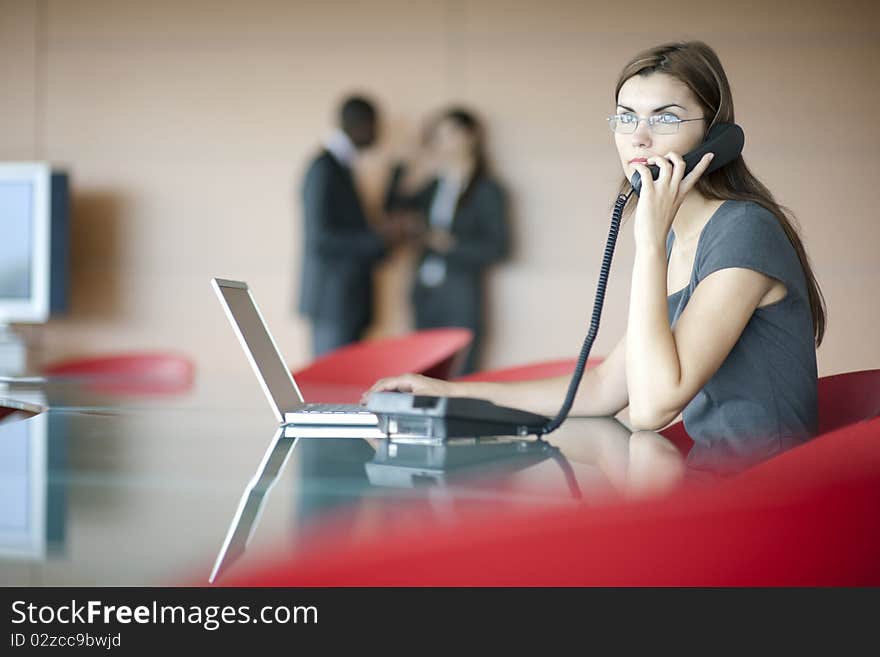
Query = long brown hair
x=696 y=65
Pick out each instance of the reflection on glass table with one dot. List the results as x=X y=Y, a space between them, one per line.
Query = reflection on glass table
x=249 y=509
x=143 y=491
x=443 y=472
x=31 y=505
x=414 y=465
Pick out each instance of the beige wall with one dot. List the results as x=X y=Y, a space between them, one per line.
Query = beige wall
x=186 y=127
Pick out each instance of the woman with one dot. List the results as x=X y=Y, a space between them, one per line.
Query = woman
x=464 y=226
x=725 y=312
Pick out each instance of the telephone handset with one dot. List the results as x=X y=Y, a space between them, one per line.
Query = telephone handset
x=725 y=140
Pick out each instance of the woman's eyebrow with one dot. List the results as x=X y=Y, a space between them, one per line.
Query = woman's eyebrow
x=656 y=109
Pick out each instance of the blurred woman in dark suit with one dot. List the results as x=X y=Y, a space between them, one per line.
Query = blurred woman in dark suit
x=464 y=216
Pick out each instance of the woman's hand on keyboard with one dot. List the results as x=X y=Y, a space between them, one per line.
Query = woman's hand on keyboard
x=413 y=383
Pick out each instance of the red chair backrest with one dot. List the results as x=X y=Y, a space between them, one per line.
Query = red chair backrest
x=432 y=352
x=848 y=398
x=530 y=371
x=676 y=434
x=129 y=373
x=844 y=399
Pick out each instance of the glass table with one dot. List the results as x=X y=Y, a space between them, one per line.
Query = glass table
x=99 y=488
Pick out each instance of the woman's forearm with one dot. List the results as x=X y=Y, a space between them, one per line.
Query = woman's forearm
x=652 y=364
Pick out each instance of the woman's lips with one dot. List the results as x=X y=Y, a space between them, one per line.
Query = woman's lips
x=642 y=160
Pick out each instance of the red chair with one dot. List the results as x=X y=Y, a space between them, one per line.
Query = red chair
x=844 y=399
x=848 y=398
x=129 y=373
x=530 y=371
x=676 y=434
x=803 y=518
x=433 y=352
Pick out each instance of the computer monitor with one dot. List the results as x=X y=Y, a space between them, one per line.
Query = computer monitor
x=34 y=224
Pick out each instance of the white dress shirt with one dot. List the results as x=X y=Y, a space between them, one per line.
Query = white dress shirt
x=341 y=147
x=432 y=271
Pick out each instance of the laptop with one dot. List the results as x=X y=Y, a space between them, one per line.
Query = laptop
x=301 y=420
x=403 y=416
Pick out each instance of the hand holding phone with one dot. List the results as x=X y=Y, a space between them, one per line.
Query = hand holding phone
x=725 y=140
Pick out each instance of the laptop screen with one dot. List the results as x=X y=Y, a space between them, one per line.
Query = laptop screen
x=259 y=346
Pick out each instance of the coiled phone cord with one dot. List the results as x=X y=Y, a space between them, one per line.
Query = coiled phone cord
x=599 y=301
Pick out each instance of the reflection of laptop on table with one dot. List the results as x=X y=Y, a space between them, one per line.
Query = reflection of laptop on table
x=303 y=420
x=250 y=507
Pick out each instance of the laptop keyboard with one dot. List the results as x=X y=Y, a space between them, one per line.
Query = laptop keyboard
x=334 y=408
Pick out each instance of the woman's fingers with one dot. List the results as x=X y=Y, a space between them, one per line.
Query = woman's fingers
x=664 y=165
x=647 y=179
x=413 y=383
x=391 y=384
x=678 y=167
x=672 y=171
x=691 y=179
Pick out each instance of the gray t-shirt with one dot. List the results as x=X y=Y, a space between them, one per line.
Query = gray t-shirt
x=763 y=398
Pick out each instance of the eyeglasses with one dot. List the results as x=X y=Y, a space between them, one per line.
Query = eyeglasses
x=659 y=124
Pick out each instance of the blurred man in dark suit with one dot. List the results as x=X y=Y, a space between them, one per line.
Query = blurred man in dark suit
x=340 y=250
x=340 y=247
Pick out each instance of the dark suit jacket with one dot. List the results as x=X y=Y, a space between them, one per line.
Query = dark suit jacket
x=481 y=234
x=340 y=249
